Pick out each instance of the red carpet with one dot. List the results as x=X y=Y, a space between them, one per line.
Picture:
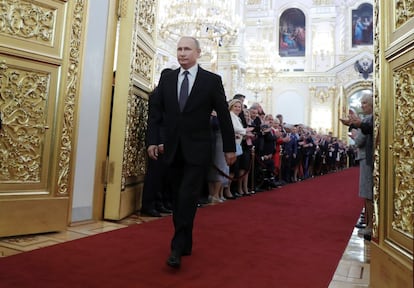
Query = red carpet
x=289 y=237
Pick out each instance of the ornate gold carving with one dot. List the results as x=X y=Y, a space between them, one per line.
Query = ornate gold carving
x=134 y=164
x=143 y=64
x=146 y=19
x=376 y=76
x=404 y=11
x=23 y=103
x=403 y=153
x=123 y=8
x=70 y=98
x=134 y=158
x=322 y=95
x=23 y=19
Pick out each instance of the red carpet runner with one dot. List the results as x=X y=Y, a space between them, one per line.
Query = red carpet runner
x=289 y=237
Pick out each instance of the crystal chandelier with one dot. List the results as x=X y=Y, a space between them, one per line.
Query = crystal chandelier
x=260 y=68
x=212 y=22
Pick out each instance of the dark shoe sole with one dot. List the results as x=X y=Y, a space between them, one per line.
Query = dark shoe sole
x=173 y=265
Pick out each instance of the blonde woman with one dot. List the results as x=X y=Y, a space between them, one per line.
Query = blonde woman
x=235 y=107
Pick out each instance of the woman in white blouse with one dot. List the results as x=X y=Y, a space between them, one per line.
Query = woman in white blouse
x=235 y=107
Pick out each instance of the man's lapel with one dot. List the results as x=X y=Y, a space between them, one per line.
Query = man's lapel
x=172 y=86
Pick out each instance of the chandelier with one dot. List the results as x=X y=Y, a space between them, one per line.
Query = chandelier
x=260 y=66
x=212 y=22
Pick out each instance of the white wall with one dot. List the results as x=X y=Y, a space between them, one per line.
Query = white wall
x=292 y=106
x=89 y=104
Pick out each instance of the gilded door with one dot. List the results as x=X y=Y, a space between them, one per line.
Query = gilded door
x=392 y=247
x=39 y=64
x=134 y=73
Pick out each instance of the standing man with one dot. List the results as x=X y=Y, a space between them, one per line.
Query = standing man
x=184 y=101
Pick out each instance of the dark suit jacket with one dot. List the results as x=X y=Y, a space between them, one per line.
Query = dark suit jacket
x=190 y=130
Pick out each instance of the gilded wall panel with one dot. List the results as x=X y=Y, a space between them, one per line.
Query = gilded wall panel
x=24 y=100
x=403 y=153
x=36 y=25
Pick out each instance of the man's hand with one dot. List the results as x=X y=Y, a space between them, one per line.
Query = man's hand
x=345 y=121
x=355 y=120
x=230 y=157
x=152 y=151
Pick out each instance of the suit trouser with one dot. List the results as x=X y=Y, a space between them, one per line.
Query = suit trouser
x=152 y=195
x=187 y=184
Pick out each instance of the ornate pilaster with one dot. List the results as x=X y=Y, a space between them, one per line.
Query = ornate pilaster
x=70 y=101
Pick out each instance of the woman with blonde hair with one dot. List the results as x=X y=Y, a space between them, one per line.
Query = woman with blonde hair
x=235 y=108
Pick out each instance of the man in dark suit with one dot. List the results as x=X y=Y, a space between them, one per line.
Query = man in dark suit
x=155 y=192
x=184 y=101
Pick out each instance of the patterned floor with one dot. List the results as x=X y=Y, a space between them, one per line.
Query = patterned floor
x=353 y=269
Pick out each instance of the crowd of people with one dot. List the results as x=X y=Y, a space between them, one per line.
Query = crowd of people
x=271 y=153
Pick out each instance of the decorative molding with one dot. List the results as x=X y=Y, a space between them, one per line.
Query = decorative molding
x=147 y=10
x=404 y=11
x=320 y=94
x=123 y=8
x=134 y=157
x=376 y=114
x=402 y=150
x=280 y=78
x=135 y=150
x=323 y=2
x=25 y=20
x=143 y=64
x=69 y=99
x=254 y=2
x=24 y=98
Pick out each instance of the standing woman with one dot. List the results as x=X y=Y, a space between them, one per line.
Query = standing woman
x=235 y=108
x=366 y=181
x=216 y=179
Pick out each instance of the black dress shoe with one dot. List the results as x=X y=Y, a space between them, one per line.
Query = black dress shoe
x=174 y=260
x=162 y=209
x=367 y=237
x=360 y=225
x=151 y=213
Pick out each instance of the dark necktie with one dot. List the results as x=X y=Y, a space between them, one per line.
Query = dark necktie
x=184 y=91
